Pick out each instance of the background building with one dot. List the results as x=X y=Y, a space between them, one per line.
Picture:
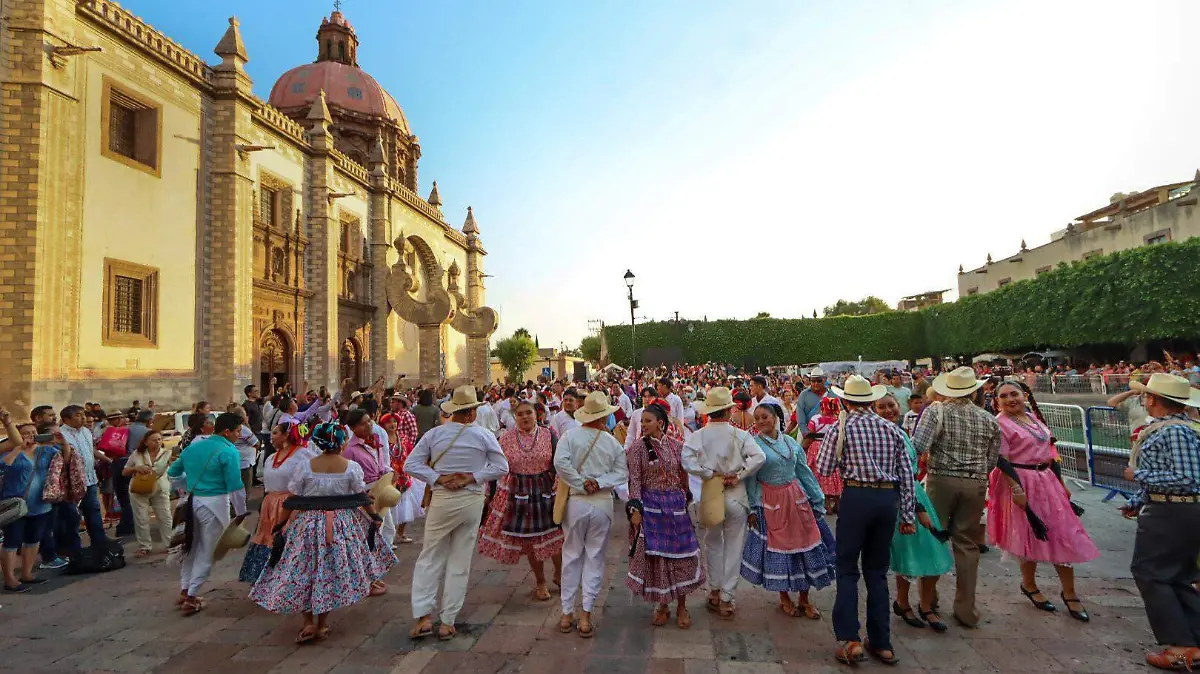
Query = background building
x=1160 y=214
x=170 y=236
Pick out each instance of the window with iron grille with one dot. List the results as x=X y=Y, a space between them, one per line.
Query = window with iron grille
x=130 y=304
x=130 y=128
x=266 y=207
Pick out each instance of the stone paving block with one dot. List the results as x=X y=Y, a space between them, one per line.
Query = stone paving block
x=699 y=667
x=665 y=666
x=201 y=658
x=506 y=639
x=1079 y=656
x=1006 y=656
x=942 y=654
x=463 y=663
x=744 y=646
x=731 y=667
x=607 y=664
x=311 y=660
x=267 y=656
x=681 y=650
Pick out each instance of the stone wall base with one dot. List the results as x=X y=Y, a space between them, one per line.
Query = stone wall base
x=113 y=394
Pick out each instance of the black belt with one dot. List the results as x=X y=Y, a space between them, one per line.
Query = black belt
x=1032 y=466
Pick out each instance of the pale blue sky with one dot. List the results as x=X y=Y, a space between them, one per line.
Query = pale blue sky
x=746 y=157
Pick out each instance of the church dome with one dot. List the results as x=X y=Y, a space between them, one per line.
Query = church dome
x=336 y=72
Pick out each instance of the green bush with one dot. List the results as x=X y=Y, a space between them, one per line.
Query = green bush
x=1124 y=298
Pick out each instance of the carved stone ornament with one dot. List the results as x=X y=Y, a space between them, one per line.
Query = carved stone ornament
x=479 y=322
x=404 y=279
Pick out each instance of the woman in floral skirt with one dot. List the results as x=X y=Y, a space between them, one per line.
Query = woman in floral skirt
x=789 y=547
x=520 y=522
x=291 y=450
x=920 y=555
x=330 y=558
x=831 y=485
x=664 y=565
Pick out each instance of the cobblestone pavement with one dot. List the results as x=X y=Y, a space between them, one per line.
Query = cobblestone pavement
x=125 y=621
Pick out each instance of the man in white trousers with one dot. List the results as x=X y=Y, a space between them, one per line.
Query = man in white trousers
x=592 y=462
x=455 y=460
x=724 y=450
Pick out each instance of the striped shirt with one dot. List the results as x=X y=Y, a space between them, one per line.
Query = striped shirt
x=874 y=451
x=962 y=440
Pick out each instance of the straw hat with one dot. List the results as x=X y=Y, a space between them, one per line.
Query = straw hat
x=961 y=382
x=718 y=398
x=1169 y=387
x=464 y=398
x=859 y=390
x=595 y=406
x=235 y=536
x=816 y=373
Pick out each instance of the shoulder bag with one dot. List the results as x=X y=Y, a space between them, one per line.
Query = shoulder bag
x=183 y=512
x=428 y=497
x=57 y=479
x=16 y=507
x=712 y=497
x=144 y=484
x=562 y=490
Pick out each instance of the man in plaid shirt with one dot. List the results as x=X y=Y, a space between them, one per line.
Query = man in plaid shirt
x=963 y=443
x=1166 y=462
x=873 y=458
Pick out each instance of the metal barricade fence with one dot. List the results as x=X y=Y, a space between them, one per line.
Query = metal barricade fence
x=1118 y=383
x=1109 y=446
x=1068 y=423
x=1078 y=383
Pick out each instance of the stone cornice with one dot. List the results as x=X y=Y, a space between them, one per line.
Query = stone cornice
x=120 y=22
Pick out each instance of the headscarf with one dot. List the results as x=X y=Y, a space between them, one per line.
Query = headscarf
x=329 y=437
x=830 y=406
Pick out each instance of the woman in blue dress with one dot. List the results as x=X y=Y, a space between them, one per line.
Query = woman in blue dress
x=921 y=555
x=789 y=547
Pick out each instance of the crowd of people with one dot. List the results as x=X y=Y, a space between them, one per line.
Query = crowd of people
x=724 y=477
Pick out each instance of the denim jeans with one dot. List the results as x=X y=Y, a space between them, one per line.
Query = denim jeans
x=865 y=525
x=61 y=535
x=90 y=507
x=121 y=488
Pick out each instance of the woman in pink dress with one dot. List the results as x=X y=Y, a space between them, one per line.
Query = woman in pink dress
x=818 y=426
x=1027 y=445
x=520 y=522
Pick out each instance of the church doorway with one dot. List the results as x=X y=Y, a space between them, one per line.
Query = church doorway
x=351 y=362
x=274 y=359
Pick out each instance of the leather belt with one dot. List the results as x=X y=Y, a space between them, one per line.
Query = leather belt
x=1032 y=466
x=870 y=485
x=1174 y=498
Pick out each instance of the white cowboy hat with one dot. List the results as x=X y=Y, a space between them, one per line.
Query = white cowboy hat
x=957 y=384
x=1170 y=387
x=859 y=390
x=816 y=372
x=235 y=536
x=718 y=398
x=595 y=406
x=464 y=398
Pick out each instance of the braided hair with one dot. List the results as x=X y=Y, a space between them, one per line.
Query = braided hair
x=778 y=412
x=329 y=437
x=1037 y=412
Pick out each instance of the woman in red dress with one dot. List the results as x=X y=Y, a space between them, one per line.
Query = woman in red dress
x=520 y=522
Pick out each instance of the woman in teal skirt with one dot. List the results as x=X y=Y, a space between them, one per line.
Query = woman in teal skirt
x=921 y=555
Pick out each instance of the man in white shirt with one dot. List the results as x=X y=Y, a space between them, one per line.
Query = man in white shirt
x=665 y=392
x=83 y=442
x=454 y=460
x=564 y=420
x=486 y=416
x=759 y=395
x=721 y=449
x=623 y=401
x=592 y=462
x=504 y=409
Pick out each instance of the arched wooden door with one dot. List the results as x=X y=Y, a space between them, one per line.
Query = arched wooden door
x=351 y=361
x=274 y=359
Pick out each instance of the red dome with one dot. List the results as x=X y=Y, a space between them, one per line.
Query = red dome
x=345 y=86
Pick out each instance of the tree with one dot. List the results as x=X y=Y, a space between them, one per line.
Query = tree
x=516 y=354
x=864 y=307
x=763 y=314
x=590 y=348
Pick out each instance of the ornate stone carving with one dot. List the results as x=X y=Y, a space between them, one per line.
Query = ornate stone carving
x=479 y=322
x=404 y=280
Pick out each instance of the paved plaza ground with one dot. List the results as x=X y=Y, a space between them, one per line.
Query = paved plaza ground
x=125 y=621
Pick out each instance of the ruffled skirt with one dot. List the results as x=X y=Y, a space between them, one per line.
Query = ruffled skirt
x=1008 y=526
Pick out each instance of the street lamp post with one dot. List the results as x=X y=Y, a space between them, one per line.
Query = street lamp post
x=632 y=321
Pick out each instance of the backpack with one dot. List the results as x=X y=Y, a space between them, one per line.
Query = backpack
x=97 y=559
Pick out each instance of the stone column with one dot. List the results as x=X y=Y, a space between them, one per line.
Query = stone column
x=478 y=351
x=429 y=356
x=229 y=293
x=380 y=232
x=321 y=355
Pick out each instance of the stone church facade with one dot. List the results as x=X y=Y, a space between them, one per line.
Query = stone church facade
x=170 y=236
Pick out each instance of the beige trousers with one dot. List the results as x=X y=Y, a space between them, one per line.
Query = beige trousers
x=451 y=527
x=959 y=503
x=160 y=503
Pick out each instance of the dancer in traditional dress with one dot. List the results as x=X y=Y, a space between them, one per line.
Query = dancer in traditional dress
x=329 y=560
x=722 y=449
x=811 y=438
x=1027 y=446
x=591 y=461
x=789 y=547
x=291 y=450
x=921 y=555
x=412 y=491
x=665 y=562
x=520 y=522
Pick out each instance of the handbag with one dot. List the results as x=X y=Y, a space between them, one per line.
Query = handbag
x=144 y=484
x=13 y=509
x=55 y=490
x=562 y=491
x=428 y=497
x=712 y=498
x=183 y=513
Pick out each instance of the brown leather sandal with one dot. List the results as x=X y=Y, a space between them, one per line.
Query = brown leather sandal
x=541 y=593
x=683 y=619
x=566 y=624
x=661 y=615
x=726 y=610
x=849 y=653
x=1174 y=662
x=810 y=611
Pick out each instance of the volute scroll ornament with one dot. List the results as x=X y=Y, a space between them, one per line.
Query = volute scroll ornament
x=479 y=322
x=416 y=260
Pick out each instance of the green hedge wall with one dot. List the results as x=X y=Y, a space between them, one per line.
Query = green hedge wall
x=1123 y=298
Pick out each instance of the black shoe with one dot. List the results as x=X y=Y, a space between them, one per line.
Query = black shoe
x=935 y=621
x=907 y=615
x=35 y=581
x=1040 y=605
x=19 y=589
x=984 y=549
x=1080 y=615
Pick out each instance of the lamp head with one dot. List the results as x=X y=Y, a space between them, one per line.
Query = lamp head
x=629 y=279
